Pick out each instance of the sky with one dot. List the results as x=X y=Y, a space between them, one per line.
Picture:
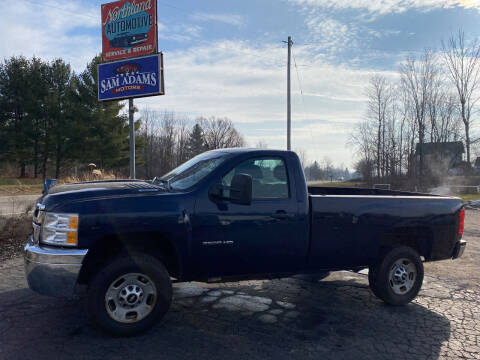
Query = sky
x=229 y=58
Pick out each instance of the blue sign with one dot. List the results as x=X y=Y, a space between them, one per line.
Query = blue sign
x=131 y=78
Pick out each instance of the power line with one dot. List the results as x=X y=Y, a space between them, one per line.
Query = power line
x=301 y=92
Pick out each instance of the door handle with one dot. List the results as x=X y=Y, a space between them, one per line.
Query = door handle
x=280 y=214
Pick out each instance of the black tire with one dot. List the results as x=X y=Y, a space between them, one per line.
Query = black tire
x=154 y=273
x=382 y=280
x=371 y=280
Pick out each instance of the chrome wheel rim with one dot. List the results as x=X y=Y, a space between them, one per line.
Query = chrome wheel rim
x=130 y=298
x=402 y=276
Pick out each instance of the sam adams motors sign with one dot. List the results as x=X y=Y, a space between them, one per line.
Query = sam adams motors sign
x=131 y=78
x=129 y=29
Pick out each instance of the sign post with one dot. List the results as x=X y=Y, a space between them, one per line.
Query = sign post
x=129 y=32
x=132 y=138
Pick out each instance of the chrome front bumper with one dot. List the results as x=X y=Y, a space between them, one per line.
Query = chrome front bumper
x=52 y=271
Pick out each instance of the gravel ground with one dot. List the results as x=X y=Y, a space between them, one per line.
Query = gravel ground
x=14 y=230
x=293 y=318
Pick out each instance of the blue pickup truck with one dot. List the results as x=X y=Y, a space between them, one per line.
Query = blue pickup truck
x=227 y=215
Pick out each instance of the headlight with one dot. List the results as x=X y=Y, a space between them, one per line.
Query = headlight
x=59 y=229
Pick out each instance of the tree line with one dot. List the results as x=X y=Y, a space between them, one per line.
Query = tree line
x=433 y=99
x=169 y=139
x=51 y=121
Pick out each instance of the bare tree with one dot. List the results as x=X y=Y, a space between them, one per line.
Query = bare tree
x=182 y=137
x=302 y=155
x=164 y=136
x=418 y=79
x=378 y=94
x=463 y=66
x=261 y=145
x=220 y=133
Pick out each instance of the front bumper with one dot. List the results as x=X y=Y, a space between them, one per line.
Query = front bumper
x=459 y=249
x=51 y=270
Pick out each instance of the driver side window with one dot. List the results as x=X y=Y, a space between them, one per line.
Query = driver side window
x=269 y=178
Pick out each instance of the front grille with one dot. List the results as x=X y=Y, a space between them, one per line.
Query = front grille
x=38 y=214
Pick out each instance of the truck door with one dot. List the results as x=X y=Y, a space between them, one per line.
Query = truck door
x=263 y=237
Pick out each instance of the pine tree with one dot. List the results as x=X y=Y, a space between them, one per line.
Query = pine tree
x=196 y=142
x=15 y=124
x=103 y=138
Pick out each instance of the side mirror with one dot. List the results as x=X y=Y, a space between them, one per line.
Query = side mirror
x=241 y=189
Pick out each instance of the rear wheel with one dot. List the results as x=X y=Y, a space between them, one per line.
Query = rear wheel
x=129 y=295
x=398 y=276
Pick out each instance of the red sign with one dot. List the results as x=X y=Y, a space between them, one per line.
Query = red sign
x=129 y=29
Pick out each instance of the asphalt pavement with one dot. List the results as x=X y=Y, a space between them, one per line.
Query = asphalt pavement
x=292 y=318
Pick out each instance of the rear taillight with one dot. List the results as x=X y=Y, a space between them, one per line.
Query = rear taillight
x=461 y=222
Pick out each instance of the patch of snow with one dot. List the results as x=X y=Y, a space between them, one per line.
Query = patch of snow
x=188 y=290
x=243 y=303
x=267 y=318
x=286 y=305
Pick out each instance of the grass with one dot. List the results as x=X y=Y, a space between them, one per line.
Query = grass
x=31 y=186
x=10 y=190
x=15 y=186
x=467 y=197
x=17 y=182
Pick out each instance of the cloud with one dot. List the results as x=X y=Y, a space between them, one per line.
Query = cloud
x=49 y=30
x=330 y=34
x=178 y=32
x=70 y=30
x=246 y=82
x=242 y=80
x=382 y=7
x=231 y=19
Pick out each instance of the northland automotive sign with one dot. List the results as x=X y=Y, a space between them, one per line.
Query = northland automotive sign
x=131 y=78
x=129 y=29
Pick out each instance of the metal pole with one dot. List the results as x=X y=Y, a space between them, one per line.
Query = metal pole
x=132 y=138
x=288 y=96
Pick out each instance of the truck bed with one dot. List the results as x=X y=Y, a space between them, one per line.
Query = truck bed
x=349 y=226
x=317 y=190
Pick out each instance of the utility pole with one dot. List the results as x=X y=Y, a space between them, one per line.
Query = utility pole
x=289 y=120
x=132 y=138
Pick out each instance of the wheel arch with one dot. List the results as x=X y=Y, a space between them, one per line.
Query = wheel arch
x=419 y=238
x=114 y=245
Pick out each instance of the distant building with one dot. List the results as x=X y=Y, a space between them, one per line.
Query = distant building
x=477 y=163
x=441 y=157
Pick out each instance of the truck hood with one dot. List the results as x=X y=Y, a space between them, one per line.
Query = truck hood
x=96 y=190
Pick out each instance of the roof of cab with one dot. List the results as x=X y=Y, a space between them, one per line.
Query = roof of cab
x=248 y=150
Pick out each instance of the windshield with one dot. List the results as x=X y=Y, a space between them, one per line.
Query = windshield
x=190 y=173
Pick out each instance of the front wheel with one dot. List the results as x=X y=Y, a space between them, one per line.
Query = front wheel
x=129 y=294
x=398 y=276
